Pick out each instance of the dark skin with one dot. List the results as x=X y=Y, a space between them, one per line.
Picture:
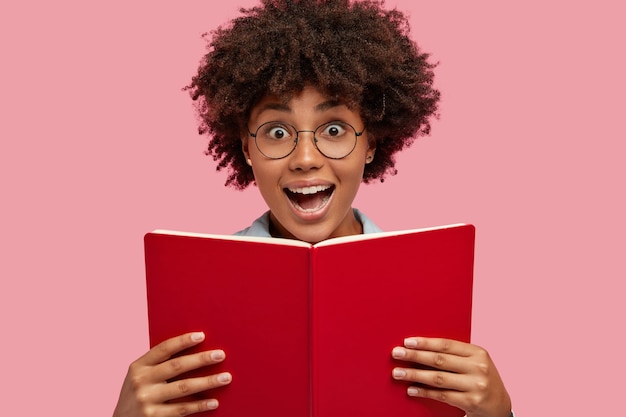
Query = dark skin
x=466 y=378
x=391 y=88
x=464 y=375
x=146 y=392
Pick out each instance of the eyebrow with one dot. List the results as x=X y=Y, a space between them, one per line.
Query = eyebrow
x=326 y=105
x=329 y=104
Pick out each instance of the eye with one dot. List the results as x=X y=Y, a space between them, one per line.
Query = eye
x=276 y=131
x=333 y=130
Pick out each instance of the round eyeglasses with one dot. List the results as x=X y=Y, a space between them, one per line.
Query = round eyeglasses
x=334 y=140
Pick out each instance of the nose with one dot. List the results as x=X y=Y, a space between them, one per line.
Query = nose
x=305 y=156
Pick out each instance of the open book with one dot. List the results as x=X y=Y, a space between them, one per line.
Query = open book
x=308 y=329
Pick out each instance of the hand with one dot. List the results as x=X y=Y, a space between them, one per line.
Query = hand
x=146 y=392
x=464 y=376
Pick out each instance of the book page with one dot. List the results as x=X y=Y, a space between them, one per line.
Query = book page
x=269 y=240
x=355 y=238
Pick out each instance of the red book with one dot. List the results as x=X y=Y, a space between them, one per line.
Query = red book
x=308 y=329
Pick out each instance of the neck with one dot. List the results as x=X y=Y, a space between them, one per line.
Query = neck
x=349 y=226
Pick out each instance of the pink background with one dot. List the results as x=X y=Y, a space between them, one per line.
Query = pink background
x=99 y=146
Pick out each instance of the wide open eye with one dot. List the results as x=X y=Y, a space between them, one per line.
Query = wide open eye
x=333 y=130
x=276 y=131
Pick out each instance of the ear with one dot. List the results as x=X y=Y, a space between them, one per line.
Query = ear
x=369 y=156
x=371 y=141
x=245 y=150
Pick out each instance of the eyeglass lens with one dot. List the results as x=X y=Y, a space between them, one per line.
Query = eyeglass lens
x=334 y=140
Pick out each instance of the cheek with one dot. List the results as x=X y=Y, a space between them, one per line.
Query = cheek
x=351 y=174
x=266 y=174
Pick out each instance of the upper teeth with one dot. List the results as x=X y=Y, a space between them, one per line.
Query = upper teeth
x=310 y=190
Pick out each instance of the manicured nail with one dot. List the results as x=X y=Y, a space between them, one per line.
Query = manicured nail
x=399 y=373
x=197 y=337
x=217 y=355
x=224 y=377
x=412 y=391
x=410 y=342
x=398 y=352
x=212 y=404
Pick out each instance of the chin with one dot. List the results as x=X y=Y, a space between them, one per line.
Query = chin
x=310 y=234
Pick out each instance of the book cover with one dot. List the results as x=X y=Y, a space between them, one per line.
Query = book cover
x=308 y=329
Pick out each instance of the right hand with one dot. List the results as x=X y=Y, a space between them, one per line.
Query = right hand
x=147 y=392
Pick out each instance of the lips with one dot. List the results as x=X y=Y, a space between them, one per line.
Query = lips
x=310 y=199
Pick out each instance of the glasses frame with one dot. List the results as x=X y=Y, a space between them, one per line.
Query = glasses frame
x=296 y=140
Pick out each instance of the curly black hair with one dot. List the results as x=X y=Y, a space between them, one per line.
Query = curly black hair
x=353 y=51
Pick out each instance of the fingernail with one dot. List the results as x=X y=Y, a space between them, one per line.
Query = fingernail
x=224 y=377
x=410 y=342
x=412 y=391
x=398 y=352
x=399 y=373
x=197 y=337
x=212 y=404
x=217 y=355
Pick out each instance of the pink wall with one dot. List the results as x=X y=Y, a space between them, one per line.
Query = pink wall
x=99 y=147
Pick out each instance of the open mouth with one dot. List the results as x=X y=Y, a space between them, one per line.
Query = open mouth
x=310 y=199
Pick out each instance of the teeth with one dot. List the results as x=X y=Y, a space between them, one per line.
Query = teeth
x=310 y=190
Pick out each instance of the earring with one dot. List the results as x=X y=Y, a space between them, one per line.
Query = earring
x=249 y=161
x=369 y=159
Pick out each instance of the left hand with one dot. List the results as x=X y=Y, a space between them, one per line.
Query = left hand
x=464 y=375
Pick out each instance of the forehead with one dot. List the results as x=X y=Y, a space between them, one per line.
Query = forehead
x=309 y=99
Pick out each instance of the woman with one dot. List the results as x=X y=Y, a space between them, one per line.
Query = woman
x=307 y=99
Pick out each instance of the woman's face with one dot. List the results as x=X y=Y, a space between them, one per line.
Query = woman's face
x=309 y=195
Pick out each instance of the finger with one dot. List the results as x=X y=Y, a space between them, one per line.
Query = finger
x=189 y=386
x=452 y=347
x=453 y=398
x=437 y=379
x=169 y=347
x=181 y=364
x=437 y=360
x=183 y=409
